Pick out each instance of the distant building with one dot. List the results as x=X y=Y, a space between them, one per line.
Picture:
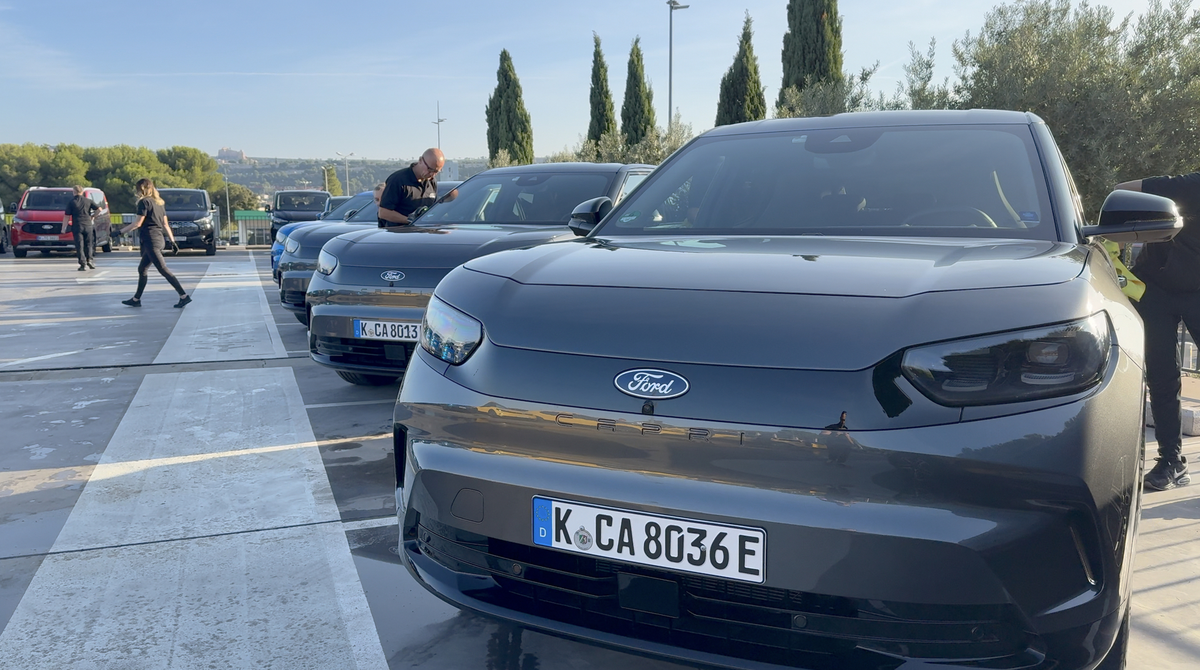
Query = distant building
x=231 y=155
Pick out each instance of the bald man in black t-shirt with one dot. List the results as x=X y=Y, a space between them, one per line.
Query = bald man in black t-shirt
x=410 y=189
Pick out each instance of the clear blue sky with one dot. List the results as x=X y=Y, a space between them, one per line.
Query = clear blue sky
x=308 y=79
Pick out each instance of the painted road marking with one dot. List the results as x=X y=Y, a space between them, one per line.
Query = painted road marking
x=228 y=320
x=384 y=401
x=205 y=536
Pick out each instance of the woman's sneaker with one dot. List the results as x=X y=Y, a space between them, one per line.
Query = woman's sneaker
x=132 y=302
x=183 y=301
x=1168 y=474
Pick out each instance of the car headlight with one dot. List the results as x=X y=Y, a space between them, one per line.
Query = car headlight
x=280 y=237
x=1043 y=362
x=448 y=333
x=204 y=222
x=326 y=263
x=278 y=220
x=291 y=245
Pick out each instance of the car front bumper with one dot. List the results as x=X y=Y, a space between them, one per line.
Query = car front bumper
x=331 y=335
x=1007 y=538
x=293 y=284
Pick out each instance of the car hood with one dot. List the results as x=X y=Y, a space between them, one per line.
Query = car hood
x=809 y=303
x=286 y=215
x=875 y=267
x=182 y=215
x=312 y=238
x=40 y=215
x=443 y=246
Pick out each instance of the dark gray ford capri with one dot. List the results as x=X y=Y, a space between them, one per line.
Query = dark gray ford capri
x=840 y=393
x=369 y=292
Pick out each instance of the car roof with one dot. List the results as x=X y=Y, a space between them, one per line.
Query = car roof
x=566 y=168
x=931 y=117
x=198 y=190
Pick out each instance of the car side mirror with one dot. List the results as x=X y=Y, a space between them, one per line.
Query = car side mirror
x=12 y=207
x=1132 y=216
x=267 y=208
x=587 y=214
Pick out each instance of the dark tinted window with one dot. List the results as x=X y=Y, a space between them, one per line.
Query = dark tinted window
x=354 y=202
x=525 y=198
x=47 y=200
x=301 y=202
x=183 y=200
x=920 y=181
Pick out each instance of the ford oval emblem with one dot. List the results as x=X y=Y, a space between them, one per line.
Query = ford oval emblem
x=392 y=275
x=651 y=384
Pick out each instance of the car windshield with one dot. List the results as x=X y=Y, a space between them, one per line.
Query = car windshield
x=52 y=201
x=182 y=200
x=519 y=198
x=301 y=202
x=353 y=203
x=369 y=212
x=963 y=181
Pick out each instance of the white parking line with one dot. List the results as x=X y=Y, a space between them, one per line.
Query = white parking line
x=207 y=536
x=384 y=401
x=228 y=320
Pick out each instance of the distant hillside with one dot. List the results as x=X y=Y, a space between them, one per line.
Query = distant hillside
x=267 y=175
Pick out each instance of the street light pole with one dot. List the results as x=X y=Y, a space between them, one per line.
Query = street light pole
x=438 y=123
x=673 y=5
x=347 y=157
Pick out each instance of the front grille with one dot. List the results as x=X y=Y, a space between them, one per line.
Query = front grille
x=375 y=353
x=734 y=619
x=185 y=228
x=42 y=228
x=292 y=297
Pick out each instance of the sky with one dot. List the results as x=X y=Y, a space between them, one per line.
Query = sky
x=306 y=79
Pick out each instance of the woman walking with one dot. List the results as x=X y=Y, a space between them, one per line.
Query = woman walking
x=152 y=221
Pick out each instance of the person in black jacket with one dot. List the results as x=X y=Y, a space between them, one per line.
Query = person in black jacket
x=151 y=221
x=1171 y=271
x=79 y=215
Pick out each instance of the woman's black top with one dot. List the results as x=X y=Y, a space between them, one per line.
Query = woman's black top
x=155 y=220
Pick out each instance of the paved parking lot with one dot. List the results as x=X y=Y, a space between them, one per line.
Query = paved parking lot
x=185 y=488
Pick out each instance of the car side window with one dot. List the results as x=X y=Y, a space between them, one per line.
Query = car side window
x=631 y=182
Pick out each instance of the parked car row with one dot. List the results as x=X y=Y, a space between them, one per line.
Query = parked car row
x=851 y=392
x=38 y=221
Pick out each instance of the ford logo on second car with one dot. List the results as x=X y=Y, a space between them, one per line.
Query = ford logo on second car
x=392 y=275
x=651 y=384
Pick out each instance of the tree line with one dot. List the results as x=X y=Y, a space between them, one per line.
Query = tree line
x=115 y=170
x=1120 y=96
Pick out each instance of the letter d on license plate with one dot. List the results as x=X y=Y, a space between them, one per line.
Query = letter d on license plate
x=682 y=545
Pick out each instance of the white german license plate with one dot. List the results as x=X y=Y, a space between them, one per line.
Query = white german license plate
x=399 y=331
x=47 y=238
x=683 y=545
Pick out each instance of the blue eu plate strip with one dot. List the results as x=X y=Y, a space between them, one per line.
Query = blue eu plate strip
x=543 y=518
x=357 y=328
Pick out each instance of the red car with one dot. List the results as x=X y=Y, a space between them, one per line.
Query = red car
x=37 y=224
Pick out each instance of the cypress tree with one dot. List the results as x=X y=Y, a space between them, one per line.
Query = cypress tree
x=742 y=97
x=812 y=45
x=637 y=113
x=508 y=123
x=604 y=119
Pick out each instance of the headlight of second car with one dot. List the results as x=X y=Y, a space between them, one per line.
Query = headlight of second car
x=448 y=333
x=291 y=245
x=1030 y=364
x=326 y=263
